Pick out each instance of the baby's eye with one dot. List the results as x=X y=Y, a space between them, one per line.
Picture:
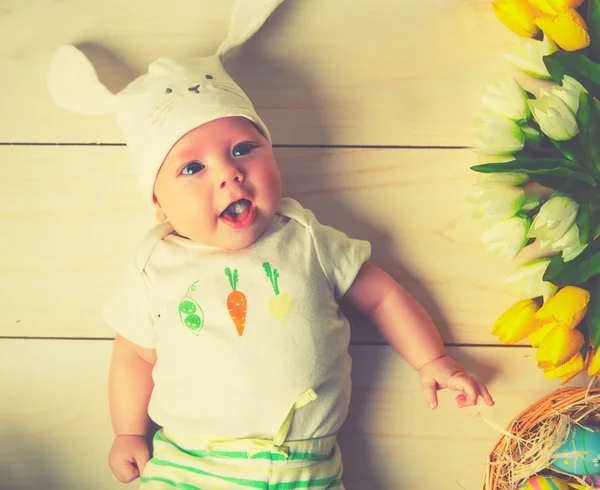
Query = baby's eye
x=243 y=149
x=192 y=168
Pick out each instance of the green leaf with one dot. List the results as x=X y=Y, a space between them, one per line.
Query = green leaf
x=558 y=167
x=577 y=271
x=588 y=217
x=583 y=221
x=576 y=65
x=564 y=186
x=592 y=317
x=593 y=133
x=585 y=347
x=593 y=23
x=543 y=150
x=585 y=136
x=571 y=150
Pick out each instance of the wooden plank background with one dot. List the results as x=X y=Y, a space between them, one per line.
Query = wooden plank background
x=370 y=107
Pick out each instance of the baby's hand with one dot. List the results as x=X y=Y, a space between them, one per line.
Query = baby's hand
x=128 y=457
x=445 y=372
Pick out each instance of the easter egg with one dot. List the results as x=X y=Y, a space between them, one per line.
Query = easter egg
x=580 y=454
x=593 y=481
x=544 y=483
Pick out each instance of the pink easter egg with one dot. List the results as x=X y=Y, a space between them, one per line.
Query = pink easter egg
x=544 y=483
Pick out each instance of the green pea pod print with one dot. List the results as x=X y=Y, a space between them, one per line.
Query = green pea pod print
x=190 y=312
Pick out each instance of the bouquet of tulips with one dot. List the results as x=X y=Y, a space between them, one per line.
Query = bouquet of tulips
x=539 y=181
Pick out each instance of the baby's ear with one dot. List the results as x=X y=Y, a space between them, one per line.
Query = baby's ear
x=73 y=83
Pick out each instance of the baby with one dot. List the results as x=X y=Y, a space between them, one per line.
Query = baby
x=230 y=334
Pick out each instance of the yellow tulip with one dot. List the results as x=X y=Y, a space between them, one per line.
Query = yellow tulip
x=517 y=15
x=542 y=7
x=516 y=323
x=558 y=346
x=554 y=6
x=566 y=371
x=541 y=330
x=565 y=4
x=594 y=367
x=566 y=308
x=567 y=29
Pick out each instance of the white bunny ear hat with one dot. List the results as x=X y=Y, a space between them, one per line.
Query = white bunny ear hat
x=174 y=97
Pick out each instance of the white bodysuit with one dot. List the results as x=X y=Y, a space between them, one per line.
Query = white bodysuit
x=225 y=373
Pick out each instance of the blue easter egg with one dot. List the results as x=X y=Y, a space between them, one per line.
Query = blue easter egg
x=587 y=444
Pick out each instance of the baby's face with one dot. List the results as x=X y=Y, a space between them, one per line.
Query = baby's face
x=219 y=185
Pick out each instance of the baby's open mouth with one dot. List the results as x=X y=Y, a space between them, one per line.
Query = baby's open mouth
x=239 y=213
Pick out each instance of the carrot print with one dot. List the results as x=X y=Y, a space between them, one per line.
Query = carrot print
x=190 y=313
x=236 y=302
x=281 y=304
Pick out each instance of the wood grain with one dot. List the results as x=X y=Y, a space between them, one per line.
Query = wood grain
x=335 y=72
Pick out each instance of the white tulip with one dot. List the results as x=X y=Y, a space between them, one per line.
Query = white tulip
x=496 y=201
x=528 y=279
x=505 y=178
x=532 y=201
x=569 y=244
x=481 y=158
x=506 y=98
x=507 y=237
x=498 y=136
x=569 y=92
x=553 y=220
x=554 y=116
x=532 y=135
x=528 y=56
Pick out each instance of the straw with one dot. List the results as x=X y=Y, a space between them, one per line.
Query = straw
x=527 y=446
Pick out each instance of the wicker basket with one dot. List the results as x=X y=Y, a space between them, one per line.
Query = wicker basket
x=579 y=404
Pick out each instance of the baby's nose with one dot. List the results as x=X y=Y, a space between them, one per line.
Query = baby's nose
x=231 y=174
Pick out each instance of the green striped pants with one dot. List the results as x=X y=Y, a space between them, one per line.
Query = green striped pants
x=190 y=462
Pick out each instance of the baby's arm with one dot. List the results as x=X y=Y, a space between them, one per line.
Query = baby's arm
x=407 y=327
x=130 y=386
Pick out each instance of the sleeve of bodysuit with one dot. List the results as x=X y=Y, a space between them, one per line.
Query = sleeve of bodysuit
x=128 y=312
x=340 y=257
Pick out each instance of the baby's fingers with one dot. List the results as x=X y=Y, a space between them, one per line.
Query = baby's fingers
x=461 y=401
x=141 y=455
x=128 y=456
x=429 y=388
x=472 y=389
x=485 y=394
x=125 y=471
x=468 y=387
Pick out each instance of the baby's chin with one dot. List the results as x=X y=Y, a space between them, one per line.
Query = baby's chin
x=229 y=239
x=239 y=241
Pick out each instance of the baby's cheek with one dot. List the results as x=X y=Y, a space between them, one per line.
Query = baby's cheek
x=275 y=184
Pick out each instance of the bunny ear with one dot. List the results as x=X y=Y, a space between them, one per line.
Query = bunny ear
x=73 y=83
x=246 y=19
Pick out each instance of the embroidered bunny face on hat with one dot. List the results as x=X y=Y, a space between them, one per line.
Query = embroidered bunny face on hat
x=158 y=108
x=174 y=97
